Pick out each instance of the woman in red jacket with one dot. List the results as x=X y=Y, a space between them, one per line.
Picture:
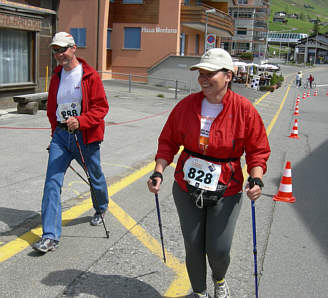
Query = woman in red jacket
x=216 y=127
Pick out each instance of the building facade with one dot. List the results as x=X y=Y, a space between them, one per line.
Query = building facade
x=312 y=49
x=133 y=36
x=251 y=27
x=26 y=28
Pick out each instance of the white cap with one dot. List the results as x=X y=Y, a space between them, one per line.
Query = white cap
x=63 y=39
x=215 y=59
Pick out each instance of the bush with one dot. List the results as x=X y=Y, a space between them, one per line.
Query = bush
x=274 y=79
x=267 y=88
x=246 y=56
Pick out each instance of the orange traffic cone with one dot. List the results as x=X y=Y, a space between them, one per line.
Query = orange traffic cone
x=315 y=93
x=304 y=96
x=296 y=113
x=294 y=133
x=308 y=94
x=285 y=193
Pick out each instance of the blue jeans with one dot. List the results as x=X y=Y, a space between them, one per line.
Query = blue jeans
x=63 y=149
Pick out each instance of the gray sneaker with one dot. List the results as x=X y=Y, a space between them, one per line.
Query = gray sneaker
x=221 y=289
x=96 y=219
x=45 y=245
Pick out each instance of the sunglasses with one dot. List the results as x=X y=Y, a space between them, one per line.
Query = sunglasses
x=59 y=50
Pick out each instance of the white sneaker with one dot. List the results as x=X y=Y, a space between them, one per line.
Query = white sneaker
x=221 y=289
x=200 y=295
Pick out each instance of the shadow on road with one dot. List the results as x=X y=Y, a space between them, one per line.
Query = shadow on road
x=310 y=181
x=99 y=285
x=26 y=218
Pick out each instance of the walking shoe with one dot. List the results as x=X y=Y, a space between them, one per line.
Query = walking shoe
x=96 y=219
x=200 y=295
x=45 y=245
x=221 y=289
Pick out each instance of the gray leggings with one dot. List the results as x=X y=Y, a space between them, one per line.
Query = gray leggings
x=206 y=231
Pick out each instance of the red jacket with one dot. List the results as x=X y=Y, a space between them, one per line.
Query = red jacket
x=237 y=129
x=94 y=103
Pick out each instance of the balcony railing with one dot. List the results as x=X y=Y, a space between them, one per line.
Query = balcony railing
x=196 y=17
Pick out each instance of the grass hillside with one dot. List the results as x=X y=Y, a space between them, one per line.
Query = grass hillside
x=314 y=9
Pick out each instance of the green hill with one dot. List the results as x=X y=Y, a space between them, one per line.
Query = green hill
x=306 y=9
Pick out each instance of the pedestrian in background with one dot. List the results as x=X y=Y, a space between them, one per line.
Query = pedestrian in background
x=77 y=103
x=299 y=79
x=216 y=127
x=311 y=79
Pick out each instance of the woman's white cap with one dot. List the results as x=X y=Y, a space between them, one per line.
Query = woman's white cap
x=214 y=60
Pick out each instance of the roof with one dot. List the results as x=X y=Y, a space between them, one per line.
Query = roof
x=14 y=6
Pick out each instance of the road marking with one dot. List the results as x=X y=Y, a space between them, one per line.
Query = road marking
x=261 y=98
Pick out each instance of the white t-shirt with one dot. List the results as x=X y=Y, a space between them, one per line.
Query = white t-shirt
x=69 y=96
x=209 y=112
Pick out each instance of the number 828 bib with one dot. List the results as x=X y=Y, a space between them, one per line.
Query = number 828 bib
x=201 y=173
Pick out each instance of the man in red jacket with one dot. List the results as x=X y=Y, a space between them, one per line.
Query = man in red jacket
x=76 y=103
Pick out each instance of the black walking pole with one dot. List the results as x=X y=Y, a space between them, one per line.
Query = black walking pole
x=77 y=173
x=89 y=179
x=159 y=222
x=251 y=185
x=254 y=249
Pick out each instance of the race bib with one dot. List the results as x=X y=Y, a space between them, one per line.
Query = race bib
x=201 y=173
x=66 y=110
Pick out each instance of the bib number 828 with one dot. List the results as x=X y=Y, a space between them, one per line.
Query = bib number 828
x=200 y=176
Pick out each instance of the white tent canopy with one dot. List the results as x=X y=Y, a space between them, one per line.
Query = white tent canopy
x=239 y=63
x=269 y=66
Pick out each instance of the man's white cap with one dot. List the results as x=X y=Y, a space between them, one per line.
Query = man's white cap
x=214 y=60
x=62 y=39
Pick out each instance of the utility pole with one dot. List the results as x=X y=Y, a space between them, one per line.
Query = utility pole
x=207 y=11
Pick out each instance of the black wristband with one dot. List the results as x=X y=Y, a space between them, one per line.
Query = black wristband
x=255 y=181
x=155 y=175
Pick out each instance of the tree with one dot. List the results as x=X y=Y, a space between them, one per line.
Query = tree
x=316 y=27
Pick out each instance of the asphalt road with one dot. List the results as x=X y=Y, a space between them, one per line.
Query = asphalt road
x=291 y=238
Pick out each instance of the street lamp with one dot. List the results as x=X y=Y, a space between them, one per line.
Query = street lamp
x=207 y=11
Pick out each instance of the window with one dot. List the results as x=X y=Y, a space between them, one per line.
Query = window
x=132 y=1
x=15 y=56
x=186 y=2
x=80 y=36
x=242 y=31
x=109 y=32
x=132 y=38
x=242 y=1
x=197 y=38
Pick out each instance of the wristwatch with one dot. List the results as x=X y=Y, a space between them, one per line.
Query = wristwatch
x=255 y=181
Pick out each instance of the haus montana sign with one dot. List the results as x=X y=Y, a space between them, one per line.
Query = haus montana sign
x=159 y=30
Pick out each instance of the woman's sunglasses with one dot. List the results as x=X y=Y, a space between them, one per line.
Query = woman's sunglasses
x=59 y=50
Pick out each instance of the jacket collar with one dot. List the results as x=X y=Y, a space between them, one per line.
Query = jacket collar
x=225 y=99
x=85 y=66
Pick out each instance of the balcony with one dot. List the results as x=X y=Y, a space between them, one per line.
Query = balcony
x=219 y=23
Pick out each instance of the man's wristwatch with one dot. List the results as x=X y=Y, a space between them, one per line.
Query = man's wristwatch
x=255 y=181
